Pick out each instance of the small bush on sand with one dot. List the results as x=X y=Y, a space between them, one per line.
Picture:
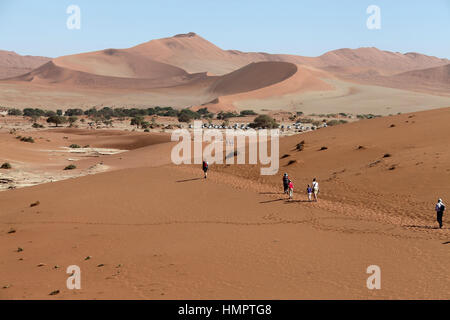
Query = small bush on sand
x=27 y=139
x=74 y=146
x=300 y=146
x=70 y=167
x=37 y=125
x=6 y=165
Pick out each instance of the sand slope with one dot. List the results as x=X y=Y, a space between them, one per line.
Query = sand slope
x=13 y=64
x=156 y=231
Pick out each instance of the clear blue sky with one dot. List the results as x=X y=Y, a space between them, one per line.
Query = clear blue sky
x=303 y=27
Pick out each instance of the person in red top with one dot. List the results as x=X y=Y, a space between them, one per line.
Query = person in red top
x=291 y=189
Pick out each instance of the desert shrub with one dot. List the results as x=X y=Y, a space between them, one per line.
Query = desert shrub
x=336 y=122
x=70 y=167
x=30 y=112
x=187 y=115
x=14 y=112
x=73 y=112
x=72 y=120
x=264 y=121
x=137 y=121
x=300 y=146
x=57 y=120
x=74 y=146
x=226 y=115
x=27 y=139
x=37 y=125
x=323 y=148
x=6 y=165
x=244 y=113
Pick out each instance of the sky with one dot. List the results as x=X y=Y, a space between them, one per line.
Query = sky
x=301 y=27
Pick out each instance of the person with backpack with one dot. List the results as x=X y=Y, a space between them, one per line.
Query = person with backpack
x=291 y=189
x=440 y=208
x=309 y=190
x=286 y=183
x=205 y=167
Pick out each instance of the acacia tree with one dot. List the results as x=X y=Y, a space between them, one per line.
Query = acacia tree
x=56 y=120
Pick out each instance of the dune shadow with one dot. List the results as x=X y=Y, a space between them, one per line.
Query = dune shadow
x=272 y=201
x=448 y=242
x=422 y=227
x=297 y=201
x=187 y=180
x=270 y=193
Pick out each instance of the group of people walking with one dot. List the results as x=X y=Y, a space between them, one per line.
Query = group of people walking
x=311 y=190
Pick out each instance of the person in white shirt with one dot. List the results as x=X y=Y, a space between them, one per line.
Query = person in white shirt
x=440 y=208
x=315 y=186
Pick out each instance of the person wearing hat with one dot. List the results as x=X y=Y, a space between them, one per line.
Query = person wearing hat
x=440 y=208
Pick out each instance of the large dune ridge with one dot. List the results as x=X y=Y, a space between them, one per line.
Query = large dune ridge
x=13 y=64
x=153 y=230
x=188 y=71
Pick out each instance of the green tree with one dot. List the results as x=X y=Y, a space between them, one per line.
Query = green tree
x=264 y=121
x=57 y=120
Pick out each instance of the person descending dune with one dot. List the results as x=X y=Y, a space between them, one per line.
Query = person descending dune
x=286 y=183
x=440 y=208
x=205 y=167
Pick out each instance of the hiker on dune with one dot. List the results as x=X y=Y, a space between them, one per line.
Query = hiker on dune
x=440 y=208
x=315 y=186
x=286 y=183
x=205 y=167
x=309 y=191
x=291 y=189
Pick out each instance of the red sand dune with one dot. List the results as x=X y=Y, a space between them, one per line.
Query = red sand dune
x=192 y=66
x=55 y=75
x=13 y=64
x=156 y=231
x=252 y=77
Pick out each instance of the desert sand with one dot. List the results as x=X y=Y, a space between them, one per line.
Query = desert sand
x=147 y=229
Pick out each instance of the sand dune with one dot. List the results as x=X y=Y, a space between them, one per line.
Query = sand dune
x=234 y=236
x=13 y=64
x=119 y=63
x=187 y=70
x=51 y=74
x=252 y=77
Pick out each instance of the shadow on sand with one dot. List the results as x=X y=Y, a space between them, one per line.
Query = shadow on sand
x=422 y=227
x=187 y=180
x=297 y=201
x=272 y=201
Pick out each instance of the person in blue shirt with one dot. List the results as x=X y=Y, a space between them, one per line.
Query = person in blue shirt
x=309 y=190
